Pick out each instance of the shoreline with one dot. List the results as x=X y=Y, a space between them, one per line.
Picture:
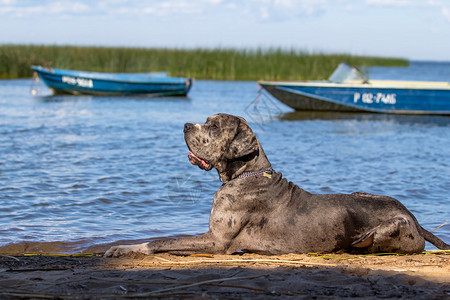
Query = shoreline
x=247 y=276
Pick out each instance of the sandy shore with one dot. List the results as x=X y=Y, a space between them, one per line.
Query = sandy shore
x=248 y=276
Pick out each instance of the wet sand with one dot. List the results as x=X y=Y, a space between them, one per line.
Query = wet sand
x=248 y=276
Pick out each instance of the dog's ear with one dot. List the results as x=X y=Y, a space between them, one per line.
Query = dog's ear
x=244 y=142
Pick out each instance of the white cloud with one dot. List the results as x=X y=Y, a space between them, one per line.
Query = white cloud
x=443 y=8
x=64 y=7
x=261 y=9
x=446 y=12
x=266 y=10
x=184 y=7
x=389 y=2
x=58 y=8
x=264 y=14
x=282 y=10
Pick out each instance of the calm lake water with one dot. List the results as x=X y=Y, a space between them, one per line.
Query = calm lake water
x=84 y=171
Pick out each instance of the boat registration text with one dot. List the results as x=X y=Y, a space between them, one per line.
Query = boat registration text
x=78 y=81
x=370 y=98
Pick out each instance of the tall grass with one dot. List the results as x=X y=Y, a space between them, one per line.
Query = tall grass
x=219 y=64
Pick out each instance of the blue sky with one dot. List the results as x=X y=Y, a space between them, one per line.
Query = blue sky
x=413 y=29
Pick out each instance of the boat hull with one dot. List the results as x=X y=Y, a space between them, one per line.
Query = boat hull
x=62 y=81
x=316 y=96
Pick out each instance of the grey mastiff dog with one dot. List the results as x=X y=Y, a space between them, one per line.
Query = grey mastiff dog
x=257 y=210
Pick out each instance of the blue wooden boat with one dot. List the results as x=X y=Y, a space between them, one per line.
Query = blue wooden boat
x=116 y=84
x=347 y=89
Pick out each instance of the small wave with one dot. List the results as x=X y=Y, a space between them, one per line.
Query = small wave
x=10 y=189
x=110 y=179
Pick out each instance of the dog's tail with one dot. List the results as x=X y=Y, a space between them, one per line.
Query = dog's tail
x=434 y=240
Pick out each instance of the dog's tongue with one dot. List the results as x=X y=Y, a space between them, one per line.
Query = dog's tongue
x=196 y=161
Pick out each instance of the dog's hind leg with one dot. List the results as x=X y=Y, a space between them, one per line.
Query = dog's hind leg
x=396 y=235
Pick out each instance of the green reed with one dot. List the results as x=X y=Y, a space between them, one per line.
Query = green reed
x=217 y=64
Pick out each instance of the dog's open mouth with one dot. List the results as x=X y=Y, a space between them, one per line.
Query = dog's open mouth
x=197 y=161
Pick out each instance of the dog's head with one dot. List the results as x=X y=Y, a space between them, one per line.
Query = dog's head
x=227 y=143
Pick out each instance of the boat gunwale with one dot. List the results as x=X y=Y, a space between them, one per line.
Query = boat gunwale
x=434 y=85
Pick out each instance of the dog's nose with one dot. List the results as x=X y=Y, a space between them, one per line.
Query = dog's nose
x=188 y=127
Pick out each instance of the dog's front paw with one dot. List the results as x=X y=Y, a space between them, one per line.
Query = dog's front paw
x=124 y=250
